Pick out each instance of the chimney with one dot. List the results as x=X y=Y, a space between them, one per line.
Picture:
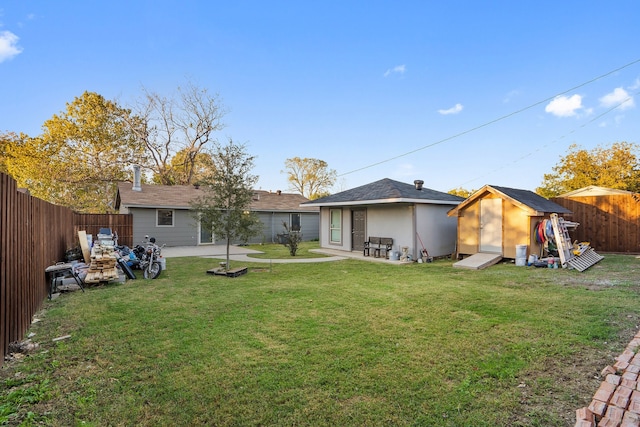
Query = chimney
x=418 y=183
x=279 y=192
x=136 y=178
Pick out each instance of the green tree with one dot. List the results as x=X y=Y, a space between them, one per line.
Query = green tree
x=81 y=155
x=310 y=177
x=461 y=192
x=228 y=194
x=176 y=131
x=184 y=171
x=613 y=167
x=7 y=141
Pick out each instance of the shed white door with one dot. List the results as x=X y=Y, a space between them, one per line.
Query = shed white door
x=491 y=225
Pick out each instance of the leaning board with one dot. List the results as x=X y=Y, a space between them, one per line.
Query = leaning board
x=84 y=245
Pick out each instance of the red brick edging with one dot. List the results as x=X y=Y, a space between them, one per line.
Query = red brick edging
x=617 y=401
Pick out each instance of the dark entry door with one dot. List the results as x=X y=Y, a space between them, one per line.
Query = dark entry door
x=359 y=229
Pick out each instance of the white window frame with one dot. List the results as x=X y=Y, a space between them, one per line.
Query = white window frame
x=173 y=218
x=335 y=227
x=291 y=221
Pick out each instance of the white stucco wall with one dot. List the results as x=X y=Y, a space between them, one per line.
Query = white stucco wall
x=400 y=222
x=437 y=230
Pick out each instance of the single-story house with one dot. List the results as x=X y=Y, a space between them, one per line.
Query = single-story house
x=411 y=215
x=497 y=219
x=164 y=212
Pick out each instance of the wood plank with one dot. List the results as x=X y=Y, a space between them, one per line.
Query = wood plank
x=84 y=245
x=479 y=261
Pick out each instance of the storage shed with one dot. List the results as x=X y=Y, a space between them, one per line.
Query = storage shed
x=497 y=219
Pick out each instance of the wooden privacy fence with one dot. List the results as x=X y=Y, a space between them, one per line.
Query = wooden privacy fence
x=611 y=223
x=120 y=224
x=35 y=234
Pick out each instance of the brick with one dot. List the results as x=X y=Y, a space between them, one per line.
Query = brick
x=585 y=423
x=624 y=391
x=620 y=366
x=635 y=395
x=607 y=370
x=598 y=407
x=633 y=376
x=605 y=392
x=608 y=422
x=628 y=383
x=613 y=379
x=634 y=406
x=619 y=400
x=633 y=368
x=630 y=420
x=614 y=413
x=585 y=414
x=626 y=356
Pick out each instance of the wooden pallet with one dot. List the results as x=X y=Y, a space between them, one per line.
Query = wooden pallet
x=102 y=275
x=586 y=255
x=585 y=260
x=234 y=272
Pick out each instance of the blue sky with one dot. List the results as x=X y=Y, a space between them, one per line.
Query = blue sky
x=456 y=93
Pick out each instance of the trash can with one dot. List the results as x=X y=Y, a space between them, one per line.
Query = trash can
x=521 y=255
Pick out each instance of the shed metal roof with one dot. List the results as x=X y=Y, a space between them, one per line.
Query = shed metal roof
x=524 y=198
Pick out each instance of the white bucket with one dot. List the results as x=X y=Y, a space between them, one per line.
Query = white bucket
x=521 y=255
x=163 y=263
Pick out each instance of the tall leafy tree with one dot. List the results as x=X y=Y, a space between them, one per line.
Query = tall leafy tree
x=310 y=177
x=228 y=194
x=7 y=141
x=184 y=171
x=462 y=192
x=177 y=130
x=616 y=167
x=82 y=153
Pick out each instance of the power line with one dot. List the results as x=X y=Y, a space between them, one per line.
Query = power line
x=473 y=129
x=599 y=116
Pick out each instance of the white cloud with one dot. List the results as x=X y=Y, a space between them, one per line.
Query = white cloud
x=619 y=98
x=400 y=69
x=635 y=84
x=8 y=45
x=512 y=94
x=453 y=110
x=563 y=106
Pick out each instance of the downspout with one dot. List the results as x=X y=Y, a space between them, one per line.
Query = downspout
x=414 y=221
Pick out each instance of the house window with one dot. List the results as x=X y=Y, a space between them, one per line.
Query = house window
x=294 y=220
x=164 y=217
x=335 y=226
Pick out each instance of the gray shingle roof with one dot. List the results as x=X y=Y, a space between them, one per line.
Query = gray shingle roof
x=180 y=196
x=384 y=190
x=532 y=200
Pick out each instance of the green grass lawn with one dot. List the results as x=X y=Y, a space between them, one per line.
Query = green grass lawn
x=275 y=251
x=328 y=344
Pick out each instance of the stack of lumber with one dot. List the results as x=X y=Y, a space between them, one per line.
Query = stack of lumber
x=103 y=264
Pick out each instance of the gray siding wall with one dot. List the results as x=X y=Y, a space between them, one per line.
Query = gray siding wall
x=184 y=231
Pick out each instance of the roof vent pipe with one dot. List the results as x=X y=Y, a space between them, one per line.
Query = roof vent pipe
x=136 y=178
x=418 y=183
